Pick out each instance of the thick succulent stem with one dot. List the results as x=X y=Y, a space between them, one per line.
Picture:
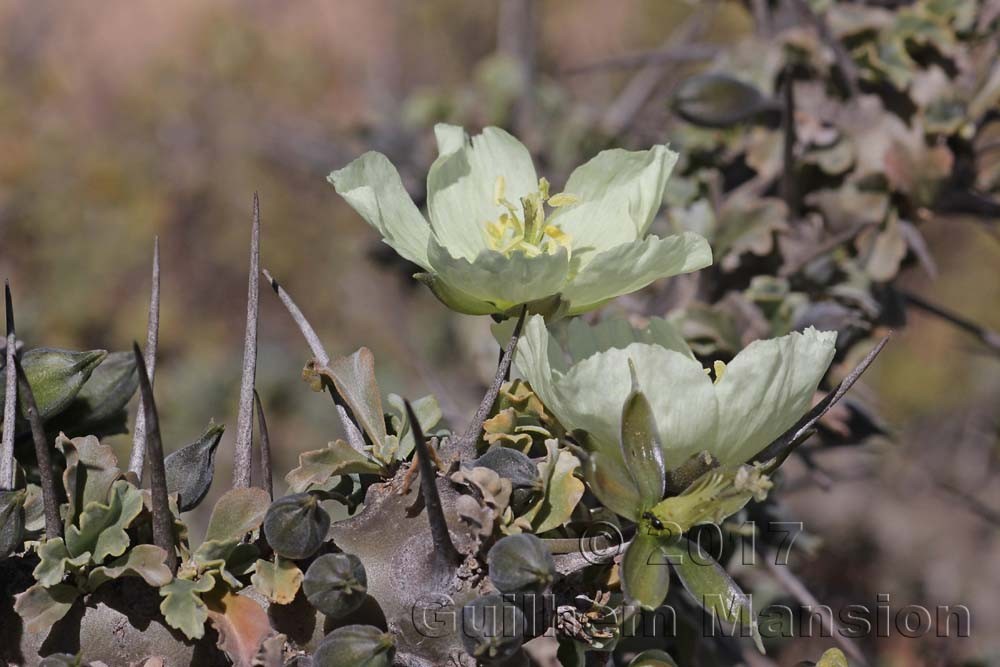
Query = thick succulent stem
x=351 y=430
x=443 y=546
x=244 y=420
x=163 y=522
x=266 y=476
x=137 y=457
x=465 y=447
x=9 y=399
x=53 y=525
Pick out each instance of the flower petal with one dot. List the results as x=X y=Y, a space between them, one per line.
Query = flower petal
x=503 y=281
x=585 y=340
x=591 y=394
x=766 y=388
x=539 y=360
x=631 y=266
x=371 y=185
x=620 y=192
x=461 y=183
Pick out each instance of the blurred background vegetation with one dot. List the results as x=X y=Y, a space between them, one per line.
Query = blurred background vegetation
x=124 y=121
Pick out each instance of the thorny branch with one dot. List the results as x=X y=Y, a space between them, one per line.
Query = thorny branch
x=464 y=448
x=775 y=453
x=443 y=546
x=351 y=430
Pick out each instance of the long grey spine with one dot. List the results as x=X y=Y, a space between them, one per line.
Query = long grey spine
x=351 y=430
x=9 y=400
x=243 y=455
x=137 y=457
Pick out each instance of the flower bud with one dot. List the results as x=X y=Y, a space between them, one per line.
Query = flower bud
x=718 y=100
x=296 y=526
x=336 y=584
x=520 y=563
x=354 y=645
x=56 y=377
x=492 y=629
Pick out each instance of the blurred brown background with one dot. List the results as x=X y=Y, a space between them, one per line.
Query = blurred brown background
x=120 y=121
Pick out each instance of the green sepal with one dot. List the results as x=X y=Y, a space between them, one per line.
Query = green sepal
x=645 y=571
x=711 y=586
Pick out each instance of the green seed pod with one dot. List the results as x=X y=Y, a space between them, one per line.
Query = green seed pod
x=56 y=377
x=11 y=521
x=512 y=464
x=492 y=628
x=356 y=646
x=336 y=584
x=521 y=564
x=296 y=526
x=191 y=468
x=718 y=100
x=102 y=400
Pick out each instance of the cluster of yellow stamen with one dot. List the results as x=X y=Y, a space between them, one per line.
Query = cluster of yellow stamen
x=718 y=368
x=530 y=235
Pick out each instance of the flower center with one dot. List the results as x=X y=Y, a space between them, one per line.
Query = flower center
x=530 y=235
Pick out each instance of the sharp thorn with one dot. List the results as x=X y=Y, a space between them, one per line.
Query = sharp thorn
x=443 y=545
x=163 y=522
x=266 y=474
x=465 y=448
x=243 y=453
x=137 y=457
x=53 y=524
x=351 y=430
x=10 y=398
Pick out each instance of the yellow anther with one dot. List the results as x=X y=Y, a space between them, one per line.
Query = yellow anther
x=562 y=199
x=543 y=188
x=720 y=368
x=523 y=229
